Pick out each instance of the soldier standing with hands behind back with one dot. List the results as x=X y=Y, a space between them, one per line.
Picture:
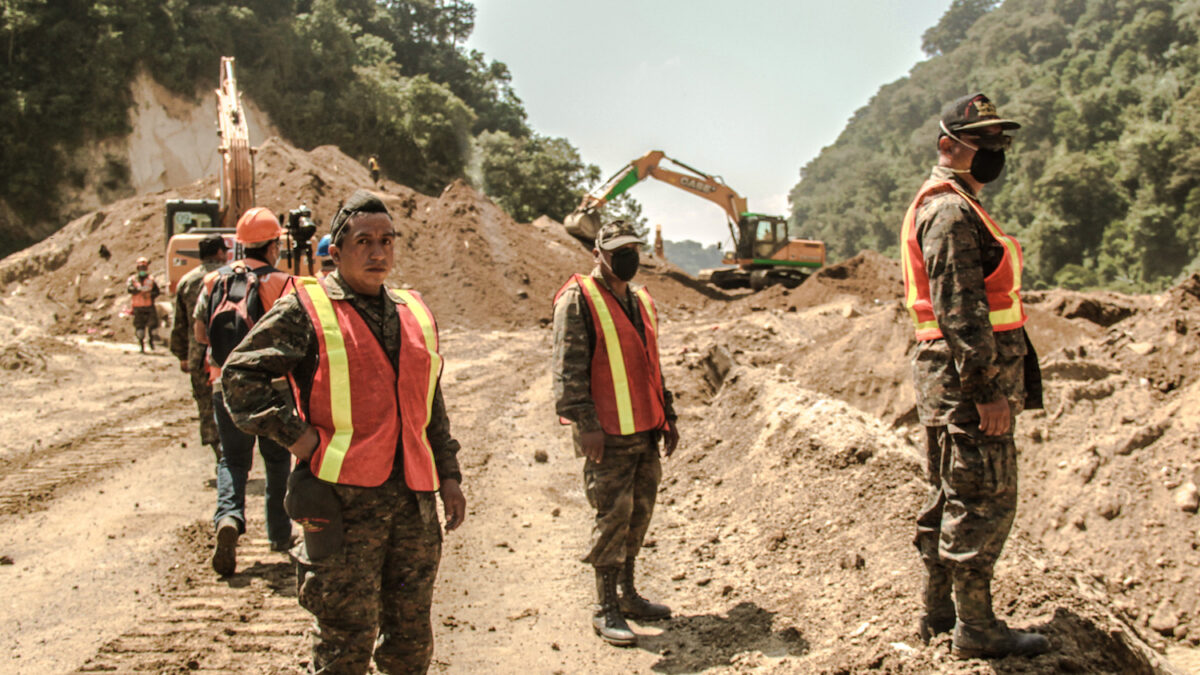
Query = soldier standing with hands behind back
x=974 y=369
x=608 y=385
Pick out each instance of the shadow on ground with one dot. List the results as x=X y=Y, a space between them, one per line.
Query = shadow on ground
x=695 y=643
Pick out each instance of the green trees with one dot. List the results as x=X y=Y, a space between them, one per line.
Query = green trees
x=385 y=77
x=533 y=176
x=1103 y=184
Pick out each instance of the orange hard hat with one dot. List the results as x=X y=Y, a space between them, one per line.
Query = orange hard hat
x=258 y=225
x=142 y=260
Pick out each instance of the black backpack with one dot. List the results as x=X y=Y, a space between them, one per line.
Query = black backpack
x=234 y=306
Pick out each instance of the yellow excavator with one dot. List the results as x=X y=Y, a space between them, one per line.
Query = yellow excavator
x=190 y=220
x=764 y=252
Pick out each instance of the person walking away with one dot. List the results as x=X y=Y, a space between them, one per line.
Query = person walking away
x=232 y=299
x=608 y=385
x=183 y=343
x=327 y=263
x=974 y=369
x=373 y=165
x=367 y=423
x=144 y=290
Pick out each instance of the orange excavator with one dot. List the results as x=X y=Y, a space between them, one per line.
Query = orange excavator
x=189 y=220
x=764 y=252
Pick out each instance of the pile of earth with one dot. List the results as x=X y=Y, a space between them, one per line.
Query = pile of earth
x=1108 y=469
x=474 y=264
x=797 y=510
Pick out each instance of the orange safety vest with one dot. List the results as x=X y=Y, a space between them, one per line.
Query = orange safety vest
x=1002 y=286
x=145 y=296
x=626 y=381
x=357 y=412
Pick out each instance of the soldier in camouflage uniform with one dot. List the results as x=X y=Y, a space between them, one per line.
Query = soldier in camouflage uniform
x=183 y=342
x=378 y=577
x=974 y=369
x=622 y=471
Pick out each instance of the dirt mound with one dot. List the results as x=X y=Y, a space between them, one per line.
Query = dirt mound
x=1103 y=308
x=34 y=353
x=800 y=507
x=476 y=266
x=1105 y=469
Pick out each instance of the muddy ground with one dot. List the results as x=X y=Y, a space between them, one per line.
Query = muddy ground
x=783 y=535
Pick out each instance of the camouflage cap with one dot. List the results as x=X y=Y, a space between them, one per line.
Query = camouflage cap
x=971 y=112
x=616 y=234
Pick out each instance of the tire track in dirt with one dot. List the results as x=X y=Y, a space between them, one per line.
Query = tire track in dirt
x=32 y=486
x=247 y=623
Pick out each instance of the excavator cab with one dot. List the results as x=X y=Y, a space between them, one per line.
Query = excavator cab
x=187 y=221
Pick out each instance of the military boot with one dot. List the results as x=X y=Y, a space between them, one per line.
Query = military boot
x=939 y=616
x=224 y=560
x=635 y=606
x=978 y=633
x=608 y=623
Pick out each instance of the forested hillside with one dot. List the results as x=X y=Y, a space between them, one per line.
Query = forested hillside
x=390 y=78
x=1103 y=183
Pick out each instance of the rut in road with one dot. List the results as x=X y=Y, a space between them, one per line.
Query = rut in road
x=79 y=460
x=249 y=622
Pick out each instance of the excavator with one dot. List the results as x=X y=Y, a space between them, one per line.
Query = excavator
x=764 y=253
x=187 y=221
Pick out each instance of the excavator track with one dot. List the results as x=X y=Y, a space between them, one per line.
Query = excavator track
x=33 y=485
x=247 y=623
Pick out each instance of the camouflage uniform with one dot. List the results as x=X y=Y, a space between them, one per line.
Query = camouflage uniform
x=184 y=346
x=973 y=478
x=624 y=486
x=382 y=578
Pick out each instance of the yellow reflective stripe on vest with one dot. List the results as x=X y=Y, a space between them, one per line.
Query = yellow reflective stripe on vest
x=616 y=361
x=435 y=360
x=339 y=382
x=644 y=295
x=1012 y=314
x=910 y=299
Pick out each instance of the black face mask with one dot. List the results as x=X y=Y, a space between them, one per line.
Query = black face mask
x=986 y=165
x=625 y=263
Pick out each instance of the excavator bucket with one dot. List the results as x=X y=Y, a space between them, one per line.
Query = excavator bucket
x=583 y=225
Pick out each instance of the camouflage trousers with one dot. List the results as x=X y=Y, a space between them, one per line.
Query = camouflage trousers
x=622 y=489
x=203 y=393
x=966 y=519
x=373 y=597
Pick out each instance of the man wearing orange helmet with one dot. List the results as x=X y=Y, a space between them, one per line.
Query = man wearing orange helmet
x=143 y=289
x=233 y=298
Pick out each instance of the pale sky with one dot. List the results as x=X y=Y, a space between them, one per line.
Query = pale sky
x=749 y=91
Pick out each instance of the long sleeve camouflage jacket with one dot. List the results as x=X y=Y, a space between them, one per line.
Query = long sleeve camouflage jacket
x=183 y=339
x=574 y=342
x=971 y=363
x=284 y=342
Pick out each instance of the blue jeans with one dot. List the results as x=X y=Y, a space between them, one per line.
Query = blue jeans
x=237 y=456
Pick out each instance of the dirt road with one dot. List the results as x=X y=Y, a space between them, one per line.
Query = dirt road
x=106 y=531
x=105 y=495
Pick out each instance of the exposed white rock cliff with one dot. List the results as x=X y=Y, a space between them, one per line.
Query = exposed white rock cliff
x=174 y=139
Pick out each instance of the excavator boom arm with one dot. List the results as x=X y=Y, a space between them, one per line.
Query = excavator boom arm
x=237 y=159
x=696 y=182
